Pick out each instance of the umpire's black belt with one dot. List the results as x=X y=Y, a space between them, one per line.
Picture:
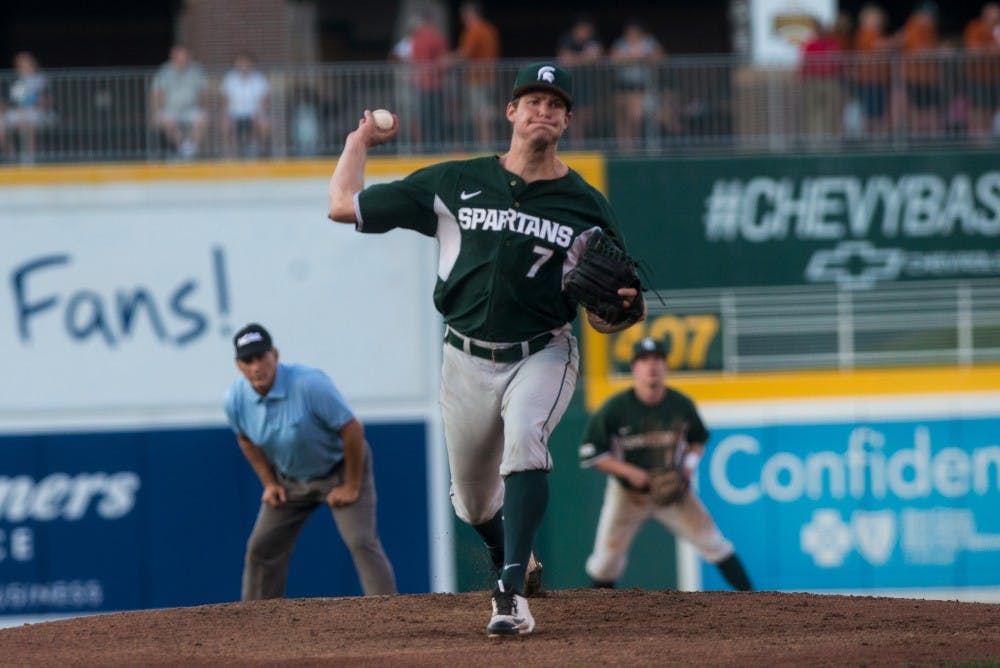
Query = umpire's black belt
x=501 y=353
x=329 y=473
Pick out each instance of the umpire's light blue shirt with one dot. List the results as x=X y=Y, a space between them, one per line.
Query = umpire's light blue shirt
x=297 y=423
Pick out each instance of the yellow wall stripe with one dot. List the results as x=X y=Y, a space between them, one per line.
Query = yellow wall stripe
x=193 y=171
x=590 y=165
x=601 y=380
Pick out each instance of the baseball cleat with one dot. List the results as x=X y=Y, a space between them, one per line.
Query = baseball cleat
x=533 y=577
x=511 y=616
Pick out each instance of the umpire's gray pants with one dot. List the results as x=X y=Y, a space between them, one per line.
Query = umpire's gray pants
x=269 y=548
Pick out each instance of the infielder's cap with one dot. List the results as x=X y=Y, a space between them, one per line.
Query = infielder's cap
x=648 y=346
x=252 y=340
x=544 y=76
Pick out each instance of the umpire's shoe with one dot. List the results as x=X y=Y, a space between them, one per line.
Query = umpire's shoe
x=511 y=616
x=533 y=577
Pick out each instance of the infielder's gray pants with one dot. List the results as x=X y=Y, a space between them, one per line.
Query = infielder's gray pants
x=269 y=548
x=624 y=512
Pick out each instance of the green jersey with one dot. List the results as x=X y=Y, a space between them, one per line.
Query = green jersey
x=645 y=436
x=504 y=245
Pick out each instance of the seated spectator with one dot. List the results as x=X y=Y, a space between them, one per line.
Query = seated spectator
x=478 y=50
x=178 y=102
x=634 y=54
x=822 y=93
x=580 y=51
x=430 y=54
x=405 y=91
x=306 y=115
x=26 y=107
x=873 y=68
x=921 y=70
x=843 y=30
x=982 y=42
x=245 y=121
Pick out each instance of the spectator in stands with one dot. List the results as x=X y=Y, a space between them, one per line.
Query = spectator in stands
x=852 y=118
x=843 y=30
x=402 y=50
x=178 y=102
x=982 y=42
x=580 y=51
x=822 y=92
x=921 y=70
x=430 y=54
x=873 y=68
x=306 y=115
x=478 y=50
x=26 y=107
x=406 y=97
x=634 y=54
x=246 y=123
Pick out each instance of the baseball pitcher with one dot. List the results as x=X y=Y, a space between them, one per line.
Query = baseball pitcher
x=511 y=229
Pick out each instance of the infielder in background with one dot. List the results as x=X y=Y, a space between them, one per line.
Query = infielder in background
x=308 y=450
x=508 y=228
x=646 y=431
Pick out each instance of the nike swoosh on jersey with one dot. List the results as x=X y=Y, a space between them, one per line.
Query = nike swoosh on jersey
x=464 y=195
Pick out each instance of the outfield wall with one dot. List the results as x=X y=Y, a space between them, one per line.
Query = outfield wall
x=878 y=481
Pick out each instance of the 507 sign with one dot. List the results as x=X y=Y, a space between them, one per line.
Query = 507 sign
x=692 y=340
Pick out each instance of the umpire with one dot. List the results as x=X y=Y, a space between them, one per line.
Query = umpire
x=308 y=449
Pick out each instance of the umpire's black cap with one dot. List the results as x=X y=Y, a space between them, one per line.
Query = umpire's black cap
x=648 y=346
x=252 y=340
x=544 y=76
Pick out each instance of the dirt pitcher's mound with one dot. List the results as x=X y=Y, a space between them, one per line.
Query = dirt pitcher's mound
x=574 y=628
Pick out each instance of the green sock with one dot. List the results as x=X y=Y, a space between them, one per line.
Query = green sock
x=491 y=531
x=526 y=494
x=732 y=570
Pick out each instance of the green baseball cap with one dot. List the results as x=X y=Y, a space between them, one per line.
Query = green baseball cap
x=544 y=76
x=648 y=346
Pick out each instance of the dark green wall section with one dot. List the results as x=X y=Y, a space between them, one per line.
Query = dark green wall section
x=800 y=219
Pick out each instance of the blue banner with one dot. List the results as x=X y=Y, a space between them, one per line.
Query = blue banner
x=892 y=504
x=93 y=522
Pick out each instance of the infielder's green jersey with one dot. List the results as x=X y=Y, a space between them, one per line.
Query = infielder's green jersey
x=646 y=436
x=504 y=244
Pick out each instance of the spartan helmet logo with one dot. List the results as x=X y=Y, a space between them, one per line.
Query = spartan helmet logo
x=547 y=74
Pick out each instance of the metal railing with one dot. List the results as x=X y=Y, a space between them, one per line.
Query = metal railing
x=900 y=324
x=697 y=104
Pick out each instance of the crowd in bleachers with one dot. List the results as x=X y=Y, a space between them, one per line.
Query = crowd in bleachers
x=861 y=80
x=855 y=80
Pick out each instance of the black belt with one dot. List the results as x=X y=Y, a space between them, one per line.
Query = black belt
x=314 y=478
x=511 y=353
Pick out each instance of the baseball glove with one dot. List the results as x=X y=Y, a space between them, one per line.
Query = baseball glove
x=602 y=269
x=667 y=486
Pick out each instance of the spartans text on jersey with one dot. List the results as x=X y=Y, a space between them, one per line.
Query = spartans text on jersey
x=496 y=220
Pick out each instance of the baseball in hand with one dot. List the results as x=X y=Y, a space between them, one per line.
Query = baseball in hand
x=383 y=119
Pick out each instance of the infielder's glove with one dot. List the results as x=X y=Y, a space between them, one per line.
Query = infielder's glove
x=602 y=269
x=667 y=486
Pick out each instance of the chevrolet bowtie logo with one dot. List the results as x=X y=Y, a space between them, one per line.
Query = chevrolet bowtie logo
x=855 y=265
